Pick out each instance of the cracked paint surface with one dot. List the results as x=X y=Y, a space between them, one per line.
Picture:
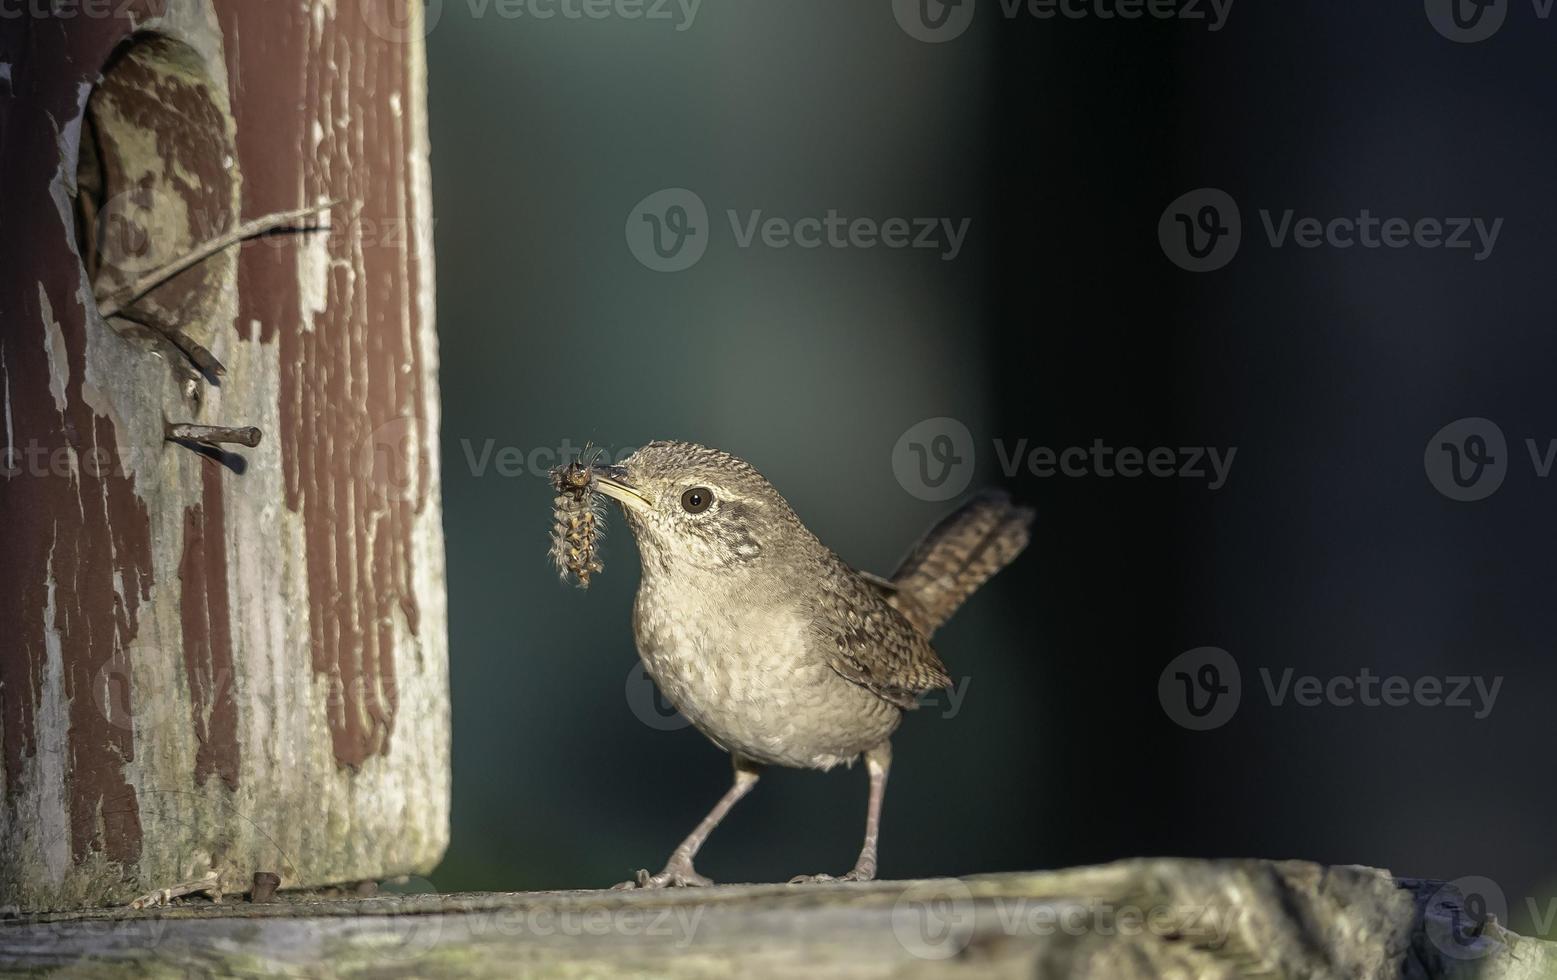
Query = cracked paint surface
x=77 y=570
x=194 y=655
x=205 y=614
x=357 y=358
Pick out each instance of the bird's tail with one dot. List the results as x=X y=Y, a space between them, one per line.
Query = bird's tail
x=959 y=554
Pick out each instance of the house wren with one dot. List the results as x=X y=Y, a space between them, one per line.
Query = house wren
x=768 y=642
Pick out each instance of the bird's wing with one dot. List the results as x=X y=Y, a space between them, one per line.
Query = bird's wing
x=870 y=643
x=905 y=603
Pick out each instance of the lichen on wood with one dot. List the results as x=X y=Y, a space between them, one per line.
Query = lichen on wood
x=1133 y=919
x=203 y=645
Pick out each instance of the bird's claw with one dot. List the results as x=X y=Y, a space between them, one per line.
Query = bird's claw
x=669 y=878
x=854 y=875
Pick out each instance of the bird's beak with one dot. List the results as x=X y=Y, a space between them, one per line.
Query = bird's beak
x=612 y=481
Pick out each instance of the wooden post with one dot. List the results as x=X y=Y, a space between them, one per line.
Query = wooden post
x=217 y=657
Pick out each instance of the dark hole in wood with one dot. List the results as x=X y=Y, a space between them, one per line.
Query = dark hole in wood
x=156 y=175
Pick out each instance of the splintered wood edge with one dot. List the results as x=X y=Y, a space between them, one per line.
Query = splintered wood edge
x=1285 y=918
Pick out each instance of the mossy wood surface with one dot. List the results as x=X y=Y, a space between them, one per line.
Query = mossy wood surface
x=1144 y=918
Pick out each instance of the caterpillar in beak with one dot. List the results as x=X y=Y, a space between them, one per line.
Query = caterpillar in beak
x=578 y=523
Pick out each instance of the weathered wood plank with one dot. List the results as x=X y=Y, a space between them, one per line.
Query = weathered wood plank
x=1144 y=918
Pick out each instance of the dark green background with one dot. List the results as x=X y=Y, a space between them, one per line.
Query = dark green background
x=1060 y=322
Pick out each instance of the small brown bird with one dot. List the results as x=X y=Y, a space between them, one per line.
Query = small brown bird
x=767 y=642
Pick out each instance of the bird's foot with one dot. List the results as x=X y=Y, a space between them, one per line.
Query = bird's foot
x=674 y=876
x=858 y=874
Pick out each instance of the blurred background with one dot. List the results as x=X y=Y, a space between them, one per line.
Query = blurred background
x=1061 y=318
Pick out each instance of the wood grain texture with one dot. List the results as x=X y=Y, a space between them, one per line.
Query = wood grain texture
x=1133 y=919
x=219 y=662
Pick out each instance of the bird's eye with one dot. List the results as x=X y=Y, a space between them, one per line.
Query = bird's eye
x=696 y=500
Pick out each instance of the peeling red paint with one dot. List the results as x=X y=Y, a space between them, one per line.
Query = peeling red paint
x=81 y=527
x=207 y=631
x=153 y=86
x=352 y=377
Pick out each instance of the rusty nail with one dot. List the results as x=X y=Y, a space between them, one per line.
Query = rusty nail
x=213 y=434
x=265 y=884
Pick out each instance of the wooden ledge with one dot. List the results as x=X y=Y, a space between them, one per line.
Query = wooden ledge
x=1138 y=918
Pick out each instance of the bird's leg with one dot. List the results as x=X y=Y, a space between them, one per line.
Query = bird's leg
x=678 y=870
x=877 y=761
